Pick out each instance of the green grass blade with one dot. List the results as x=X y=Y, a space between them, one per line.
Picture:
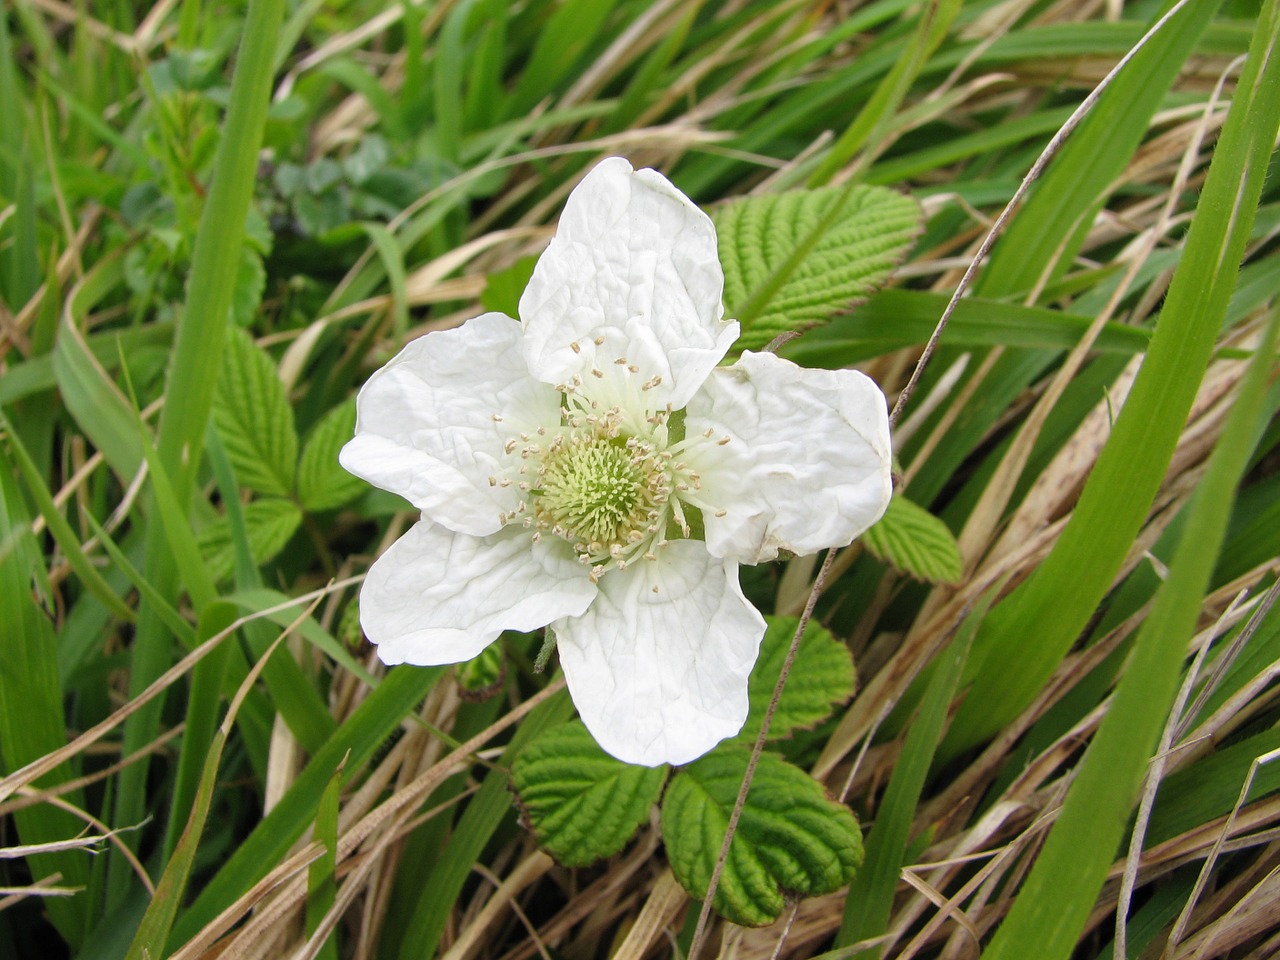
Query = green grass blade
x=322 y=878
x=355 y=740
x=1026 y=636
x=1053 y=905
x=62 y=533
x=1048 y=231
x=486 y=810
x=197 y=350
x=31 y=721
x=870 y=899
x=207 y=680
x=935 y=21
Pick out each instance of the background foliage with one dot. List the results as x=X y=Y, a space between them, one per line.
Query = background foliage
x=216 y=219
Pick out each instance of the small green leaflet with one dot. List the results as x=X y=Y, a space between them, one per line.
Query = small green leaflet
x=502 y=290
x=784 y=273
x=821 y=677
x=254 y=418
x=322 y=483
x=916 y=542
x=582 y=804
x=791 y=838
x=481 y=677
x=269 y=523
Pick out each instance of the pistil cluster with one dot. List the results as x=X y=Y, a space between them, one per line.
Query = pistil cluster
x=610 y=478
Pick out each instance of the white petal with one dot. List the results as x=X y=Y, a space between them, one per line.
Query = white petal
x=441 y=597
x=426 y=428
x=635 y=262
x=808 y=465
x=662 y=677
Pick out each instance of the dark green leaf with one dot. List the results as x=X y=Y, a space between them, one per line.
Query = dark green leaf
x=582 y=804
x=254 y=418
x=791 y=837
x=845 y=264
x=915 y=542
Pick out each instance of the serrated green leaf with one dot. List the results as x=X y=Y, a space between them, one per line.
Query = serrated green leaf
x=791 y=838
x=853 y=257
x=254 y=418
x=581 y=803
x=322 y=483
x=822 y=676
x=914 y=541
x=251 y=282
x=269 y=523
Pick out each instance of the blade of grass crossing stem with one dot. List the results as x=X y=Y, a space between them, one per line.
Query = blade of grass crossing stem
x=31 y=720
x=322 y=875
x=207 y=679
x=484 y=813
x=1027 y=635
x=1053 y=905
x=935 y=20
x=157 y=922
x=360 y=735
x=197 y=350
x=870 y=898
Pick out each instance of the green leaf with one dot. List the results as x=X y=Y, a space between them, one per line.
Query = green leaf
x=254 y=418
x=761 y=237
x=322 y=483
x=822 y=676
x=791 y=838
x=251 y=281
x=481 y=677
x=582 y=804
x=917 y=543
x=502 y=290
x=92 y=397
x=269 y=523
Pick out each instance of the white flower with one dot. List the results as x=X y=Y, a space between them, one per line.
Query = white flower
x=591 y=469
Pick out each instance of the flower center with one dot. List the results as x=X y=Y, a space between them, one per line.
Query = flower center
x=611 y=480
x=594 y=491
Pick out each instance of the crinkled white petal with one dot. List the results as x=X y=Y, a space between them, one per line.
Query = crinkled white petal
x=633 y=262
x=808 y=465
x=426 y=427
x=441 y=597
x=662 y=677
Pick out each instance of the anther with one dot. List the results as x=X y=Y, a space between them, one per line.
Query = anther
x=722 y=441
x=621 y=361
x=708 y=432
x=655 y=588
x=496 y=418
x=599 y=341
x=575 y=346
x=598 y=374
